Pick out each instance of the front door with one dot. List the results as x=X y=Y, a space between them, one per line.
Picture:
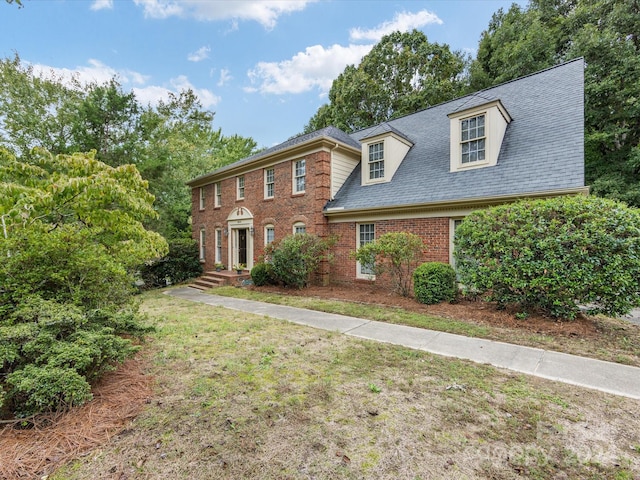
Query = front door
x=242 y=246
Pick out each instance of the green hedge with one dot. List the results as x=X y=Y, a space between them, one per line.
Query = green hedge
x=434 y=282
x=556 y=255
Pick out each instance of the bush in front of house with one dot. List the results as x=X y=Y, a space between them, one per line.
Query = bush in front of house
x=180 y=264
x=555 y=255
x=262 y=274
x=394 y=253
x=296 y=257
x=434 y=282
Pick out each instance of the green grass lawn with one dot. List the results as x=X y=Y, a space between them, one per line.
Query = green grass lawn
x=243 y=396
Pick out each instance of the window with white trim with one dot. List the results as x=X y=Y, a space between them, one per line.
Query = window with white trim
x=269 y=234
x=453 y=225
x=376 y=160
x=472 y=139
x=269 y=183
x=299 y=227
x=366 y=234
x=202 y=244
x=240 y=181
x=218 y=194
x=299 y=176
x=202 y=198
x=218 y=245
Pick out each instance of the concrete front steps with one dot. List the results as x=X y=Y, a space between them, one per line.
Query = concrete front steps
x=218 y=279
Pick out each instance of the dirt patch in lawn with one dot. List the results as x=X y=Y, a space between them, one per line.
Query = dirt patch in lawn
x=477 y=312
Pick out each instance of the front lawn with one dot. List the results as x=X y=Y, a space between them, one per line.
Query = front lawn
x=243 y=396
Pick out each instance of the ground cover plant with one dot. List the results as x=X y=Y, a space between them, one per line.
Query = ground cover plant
x=243 y=396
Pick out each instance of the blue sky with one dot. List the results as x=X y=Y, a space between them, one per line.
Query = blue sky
x=263 y=66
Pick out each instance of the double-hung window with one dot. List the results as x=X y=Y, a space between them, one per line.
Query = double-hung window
x=269 y=234
x=240 y=195
x=366 y=234
x=299 y=227
x=218 y=194
x=299 y=175
x=202 y=244
x=472 y=139
x=376 y=160
x=269 y=183
x=218 y=245
x=202 y=198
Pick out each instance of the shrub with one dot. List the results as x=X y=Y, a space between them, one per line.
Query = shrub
x=63 y=347
x=396 y=253
x=262 y=274
x=37 y=389
x=555 y=255
x=296 y=257
x=434 y=282
x=180 y=264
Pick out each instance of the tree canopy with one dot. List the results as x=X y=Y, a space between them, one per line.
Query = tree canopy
x=402 y=74
x=604 y=32
x=169 y=143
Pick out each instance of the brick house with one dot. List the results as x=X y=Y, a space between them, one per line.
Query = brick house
x=421 y=173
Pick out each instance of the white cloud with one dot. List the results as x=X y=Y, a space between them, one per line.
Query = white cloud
x=316 y=67
x=207 y=97
x=95 y=71
x=102 y=5
x=201 y=54
x=402 y=22
x=225 y=77
x=100 y=73
x=265 y=12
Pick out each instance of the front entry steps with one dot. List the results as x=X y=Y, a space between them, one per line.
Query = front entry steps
x=218 y=279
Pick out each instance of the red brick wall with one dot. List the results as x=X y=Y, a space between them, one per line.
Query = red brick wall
x=434 y=232
x=282 y=211
x=285 y=209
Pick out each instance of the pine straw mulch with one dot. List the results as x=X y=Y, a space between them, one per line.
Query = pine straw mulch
x=472 y=311
x=48 y=441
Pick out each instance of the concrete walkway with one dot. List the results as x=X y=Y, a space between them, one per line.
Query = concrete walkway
x=586 y=372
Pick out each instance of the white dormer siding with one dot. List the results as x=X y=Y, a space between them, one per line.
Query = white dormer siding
x=381 y=157
x=476 y=136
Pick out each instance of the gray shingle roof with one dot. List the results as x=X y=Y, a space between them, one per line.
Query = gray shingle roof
x=542 y=150
x=327 y=132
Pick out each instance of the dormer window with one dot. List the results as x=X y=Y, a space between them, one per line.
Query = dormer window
x=476 y=136
x=376 y=161
x=472 y=145
x=382 y=154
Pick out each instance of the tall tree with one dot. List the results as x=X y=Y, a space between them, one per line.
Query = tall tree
x=403 y=73
x=169 y=143
x=605 y=33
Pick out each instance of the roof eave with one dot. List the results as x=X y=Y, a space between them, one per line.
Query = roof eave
x=461 y=204
x=232 y=170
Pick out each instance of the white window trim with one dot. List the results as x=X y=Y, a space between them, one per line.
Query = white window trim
x=202 y=244
x=266 y=237
x=452 y=232
x=496 y=119
x=298 y=225
x=359 y=274
x=202 y=194
x=239 y=189
x=382 y=160
x=217 y=187
x=218 y=245
x=294 y=185
x=267 y=183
